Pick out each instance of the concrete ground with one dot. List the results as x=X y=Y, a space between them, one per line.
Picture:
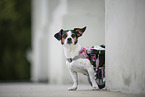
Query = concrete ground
x=46 y=90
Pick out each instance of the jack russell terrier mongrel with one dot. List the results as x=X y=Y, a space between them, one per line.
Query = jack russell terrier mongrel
x=76 y=58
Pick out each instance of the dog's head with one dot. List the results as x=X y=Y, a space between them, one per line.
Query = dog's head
x=69 y=37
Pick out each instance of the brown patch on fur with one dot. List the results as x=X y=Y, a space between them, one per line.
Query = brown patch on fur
x=62 y=41
x=63 y=38
x=75 y=40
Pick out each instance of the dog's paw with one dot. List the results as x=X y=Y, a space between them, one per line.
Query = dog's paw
x=72 y=88
x=95 y=87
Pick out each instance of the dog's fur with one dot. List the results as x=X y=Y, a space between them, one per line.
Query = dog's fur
x=69 y=40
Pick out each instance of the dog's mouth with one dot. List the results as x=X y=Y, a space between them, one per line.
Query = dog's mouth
x=69 y=42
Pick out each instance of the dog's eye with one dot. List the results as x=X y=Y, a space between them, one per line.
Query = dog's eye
x=73 y=35
x=64 y=36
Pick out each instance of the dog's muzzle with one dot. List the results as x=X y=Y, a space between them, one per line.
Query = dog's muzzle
x=69 y=41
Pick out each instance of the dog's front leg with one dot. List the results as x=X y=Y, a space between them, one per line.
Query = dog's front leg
x=75 y=80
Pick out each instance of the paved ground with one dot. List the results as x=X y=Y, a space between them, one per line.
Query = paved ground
x=45 y=90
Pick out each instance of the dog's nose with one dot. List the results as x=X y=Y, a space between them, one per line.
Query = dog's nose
x=69 y=41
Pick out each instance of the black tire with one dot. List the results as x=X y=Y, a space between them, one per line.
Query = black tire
x=99 y=80
x=101 y=85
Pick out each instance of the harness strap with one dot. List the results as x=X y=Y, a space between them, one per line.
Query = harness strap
x=82 y=54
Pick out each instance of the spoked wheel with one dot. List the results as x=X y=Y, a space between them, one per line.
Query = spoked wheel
x=99 y=77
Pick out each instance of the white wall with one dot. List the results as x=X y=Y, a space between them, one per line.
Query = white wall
x=125 y=45
x=40 y=22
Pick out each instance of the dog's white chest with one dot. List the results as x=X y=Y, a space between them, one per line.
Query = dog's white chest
x=79 y=65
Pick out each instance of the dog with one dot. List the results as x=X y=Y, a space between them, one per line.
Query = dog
x=76 y=57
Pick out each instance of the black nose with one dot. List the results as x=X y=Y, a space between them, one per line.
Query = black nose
x=69 y=41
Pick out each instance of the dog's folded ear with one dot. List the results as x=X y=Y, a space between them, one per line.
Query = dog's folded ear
x=58 y=35
x=79 y=31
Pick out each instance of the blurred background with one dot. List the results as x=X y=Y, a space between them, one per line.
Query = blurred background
x=15 y=39
x=28 y=49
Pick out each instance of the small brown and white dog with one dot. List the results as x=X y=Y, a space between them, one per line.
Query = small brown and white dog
x=77 y=60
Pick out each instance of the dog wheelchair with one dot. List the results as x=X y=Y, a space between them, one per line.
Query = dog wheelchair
x=97 y=59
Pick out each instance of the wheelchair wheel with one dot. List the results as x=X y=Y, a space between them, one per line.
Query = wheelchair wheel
x=100 y=78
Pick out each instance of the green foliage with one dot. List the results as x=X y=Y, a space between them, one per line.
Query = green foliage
x=15 y=39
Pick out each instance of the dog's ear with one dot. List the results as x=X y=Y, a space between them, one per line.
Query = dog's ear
x=58 y=35
x=79 y=31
